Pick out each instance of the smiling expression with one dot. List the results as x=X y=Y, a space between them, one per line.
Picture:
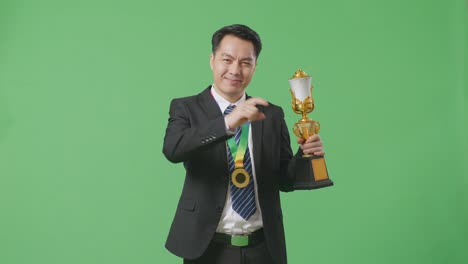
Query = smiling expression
x=233 y=65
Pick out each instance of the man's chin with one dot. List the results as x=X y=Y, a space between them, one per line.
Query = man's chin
x=233 y=85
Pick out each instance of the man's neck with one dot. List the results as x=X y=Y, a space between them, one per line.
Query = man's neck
x=230 y=98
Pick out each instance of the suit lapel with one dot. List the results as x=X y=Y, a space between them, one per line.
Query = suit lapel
x=257 y=138
x=257 y=131
x=208 y=104
x=212 y=111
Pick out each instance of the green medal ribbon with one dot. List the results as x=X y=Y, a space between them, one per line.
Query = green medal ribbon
x=240 y=177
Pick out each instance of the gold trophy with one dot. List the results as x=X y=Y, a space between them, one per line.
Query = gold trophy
x=310 y=171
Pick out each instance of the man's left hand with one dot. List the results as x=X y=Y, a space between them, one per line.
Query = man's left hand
x=313 y=145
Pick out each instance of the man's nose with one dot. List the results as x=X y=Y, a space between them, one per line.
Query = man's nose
x=235 y=69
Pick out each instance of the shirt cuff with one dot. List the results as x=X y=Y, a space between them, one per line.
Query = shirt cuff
x=229 y=131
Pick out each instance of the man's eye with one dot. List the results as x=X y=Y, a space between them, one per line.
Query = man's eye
x=226 y=60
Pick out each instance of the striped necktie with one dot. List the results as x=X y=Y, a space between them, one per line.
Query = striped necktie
x=243 y=199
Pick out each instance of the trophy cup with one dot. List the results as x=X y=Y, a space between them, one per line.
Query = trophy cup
x=310 y=171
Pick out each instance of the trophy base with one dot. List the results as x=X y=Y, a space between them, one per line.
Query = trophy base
x=311 y=173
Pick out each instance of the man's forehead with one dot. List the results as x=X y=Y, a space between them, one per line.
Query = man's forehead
x=233 y=45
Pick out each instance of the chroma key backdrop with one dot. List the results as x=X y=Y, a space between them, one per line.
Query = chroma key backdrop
x=85 y=88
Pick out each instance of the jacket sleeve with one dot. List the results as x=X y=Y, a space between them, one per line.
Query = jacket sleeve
x=183 y=138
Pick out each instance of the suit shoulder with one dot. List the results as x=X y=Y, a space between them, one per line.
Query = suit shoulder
x=184 y=99
x=274 y=108
x=190 y=98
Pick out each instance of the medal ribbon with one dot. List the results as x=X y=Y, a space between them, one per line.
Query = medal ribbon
x=238 y=151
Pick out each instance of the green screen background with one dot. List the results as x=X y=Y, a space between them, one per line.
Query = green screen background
x=85 y=88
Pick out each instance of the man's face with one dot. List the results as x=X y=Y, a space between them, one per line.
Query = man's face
x=233 y=65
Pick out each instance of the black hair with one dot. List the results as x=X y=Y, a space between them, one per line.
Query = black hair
x=240 y=31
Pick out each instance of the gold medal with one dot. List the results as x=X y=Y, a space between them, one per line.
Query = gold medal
x=240 y=177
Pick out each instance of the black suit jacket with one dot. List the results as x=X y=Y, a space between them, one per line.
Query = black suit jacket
x=196 y=135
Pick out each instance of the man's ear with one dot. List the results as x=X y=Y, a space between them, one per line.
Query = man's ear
x=211 y=61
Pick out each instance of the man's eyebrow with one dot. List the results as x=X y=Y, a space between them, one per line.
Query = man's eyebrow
x=242 y=59
x=227 y=55
x=247 y=59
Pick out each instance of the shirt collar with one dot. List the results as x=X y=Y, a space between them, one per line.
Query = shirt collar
x=223 y=103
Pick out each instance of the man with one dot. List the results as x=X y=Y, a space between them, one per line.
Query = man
x=229 y=210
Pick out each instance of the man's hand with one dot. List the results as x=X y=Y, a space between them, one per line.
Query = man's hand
x=246 y=112
x=313 y=145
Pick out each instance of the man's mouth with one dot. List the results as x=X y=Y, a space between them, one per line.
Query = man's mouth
x=233 y=80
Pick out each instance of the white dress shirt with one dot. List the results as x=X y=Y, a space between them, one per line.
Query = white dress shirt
x=232 y=223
